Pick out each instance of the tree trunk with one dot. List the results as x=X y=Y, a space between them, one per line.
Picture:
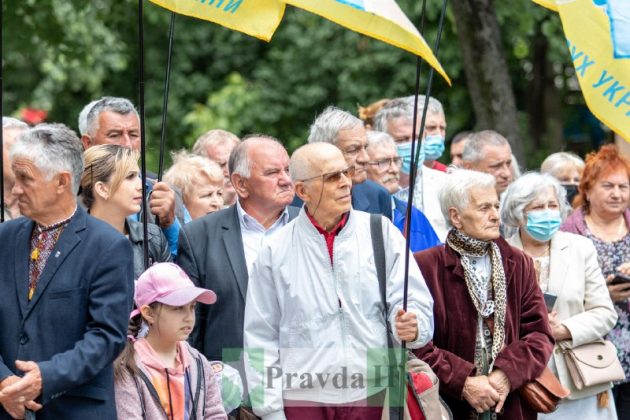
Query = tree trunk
x=485 y=66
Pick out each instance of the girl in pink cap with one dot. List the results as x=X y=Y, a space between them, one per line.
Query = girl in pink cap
x=159 y=375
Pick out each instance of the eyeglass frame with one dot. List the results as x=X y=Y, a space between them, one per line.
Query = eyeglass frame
x=327 y=177
x=396 y=160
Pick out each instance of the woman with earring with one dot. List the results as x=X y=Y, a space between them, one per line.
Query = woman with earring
x=112 y=191
x=580 y=308
x=601 y=214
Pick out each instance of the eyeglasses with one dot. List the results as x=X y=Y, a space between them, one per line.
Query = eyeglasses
x=385 y=163
x=334 y=176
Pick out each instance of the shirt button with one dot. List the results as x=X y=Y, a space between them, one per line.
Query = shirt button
x=23 y=338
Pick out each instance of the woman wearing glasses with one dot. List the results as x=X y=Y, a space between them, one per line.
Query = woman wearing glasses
x=384 y=169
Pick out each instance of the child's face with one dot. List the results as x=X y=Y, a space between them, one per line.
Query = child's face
x=174 y=323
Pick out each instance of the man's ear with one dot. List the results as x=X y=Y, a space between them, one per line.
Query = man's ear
x=64 y=181
x=86 y=140
x=300 y=191
x=453 y=215
x=240 y=184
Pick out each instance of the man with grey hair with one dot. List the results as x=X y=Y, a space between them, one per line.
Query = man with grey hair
x=488 y=151
x=113 y=120
x=67 y=282
x=11 y=129
x=217 y=145
x=217 y=250
x=344 y=130
x=314 y=305
x=396 y=119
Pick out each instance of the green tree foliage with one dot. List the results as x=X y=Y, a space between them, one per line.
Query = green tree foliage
x=60 y=54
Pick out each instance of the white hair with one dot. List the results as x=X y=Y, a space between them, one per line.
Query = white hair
x=239 y=163
x=456 y=190
x=435 y=106
x=556 y=162
x=403 y=108
x=52 y=148
x=523 y=191
x=213 y=137
x=13 y=123
x=329 y=123
x=473 y=150
x=379 y=138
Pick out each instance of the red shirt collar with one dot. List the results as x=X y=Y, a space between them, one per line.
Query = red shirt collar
x=335 y=230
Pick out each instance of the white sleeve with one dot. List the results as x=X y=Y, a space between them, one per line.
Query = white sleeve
x=419 y=300
x=261 y=342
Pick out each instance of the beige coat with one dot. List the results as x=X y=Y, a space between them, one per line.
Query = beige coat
x=432 y=182
x=583 y=304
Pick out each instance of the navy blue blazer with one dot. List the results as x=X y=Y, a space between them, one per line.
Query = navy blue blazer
x=76 y=323
x=367 y=196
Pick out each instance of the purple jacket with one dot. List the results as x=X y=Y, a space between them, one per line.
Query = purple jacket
x=576 y=224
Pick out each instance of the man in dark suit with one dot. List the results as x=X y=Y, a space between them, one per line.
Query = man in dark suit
x=344 y=130
x=217 y=250
x=67 y=282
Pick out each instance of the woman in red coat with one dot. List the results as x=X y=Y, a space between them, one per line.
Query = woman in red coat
x=491 y=330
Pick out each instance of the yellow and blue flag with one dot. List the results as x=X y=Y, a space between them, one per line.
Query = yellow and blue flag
x=258 y=18
x=379 y=19
x=598 y=36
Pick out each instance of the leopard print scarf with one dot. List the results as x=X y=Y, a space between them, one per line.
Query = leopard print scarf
x=467 y=247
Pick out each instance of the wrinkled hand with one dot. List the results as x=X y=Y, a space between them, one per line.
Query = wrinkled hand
x=406 y=326
x=624 y=268
x=501 y=383
x=618 y=292
x=480 y=394
x=29 y=386
x=162 y=203
x=15 y=405
x=558 y=329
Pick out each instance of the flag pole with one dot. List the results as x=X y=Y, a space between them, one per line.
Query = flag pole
x=1 y=114
x=415 y=153
x=167 y=78
x=143 y=148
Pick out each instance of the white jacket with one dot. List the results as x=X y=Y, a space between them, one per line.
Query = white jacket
x=583 y=303
x=312 y=318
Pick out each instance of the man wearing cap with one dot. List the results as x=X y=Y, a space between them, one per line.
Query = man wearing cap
x=314 y=309
x=67 y=287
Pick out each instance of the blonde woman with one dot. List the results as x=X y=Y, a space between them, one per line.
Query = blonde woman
x=201 y=183
x=111 y=190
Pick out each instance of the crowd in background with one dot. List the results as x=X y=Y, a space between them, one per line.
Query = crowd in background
x=509 y=271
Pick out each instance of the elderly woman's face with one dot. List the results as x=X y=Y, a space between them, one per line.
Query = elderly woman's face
x=546 y=200
x=204 y=198
x=610 y=194
x=568 y=175
x=480 y=220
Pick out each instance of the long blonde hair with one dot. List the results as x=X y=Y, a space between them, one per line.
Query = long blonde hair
x=107 y=163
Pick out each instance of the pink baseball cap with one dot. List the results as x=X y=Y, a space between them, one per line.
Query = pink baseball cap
x=168 y=284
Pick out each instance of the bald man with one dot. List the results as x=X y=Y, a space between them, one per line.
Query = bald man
x=314 y=297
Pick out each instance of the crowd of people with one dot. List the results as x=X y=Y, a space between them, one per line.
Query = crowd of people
x=271 y=286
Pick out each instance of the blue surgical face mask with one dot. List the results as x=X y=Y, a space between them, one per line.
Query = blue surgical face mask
x=543 y=224
x=433 y=146
x=404 y=151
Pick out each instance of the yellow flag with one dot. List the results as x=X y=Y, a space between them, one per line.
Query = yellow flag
x=549 y=4
x=379 y=19
x=598 y=36
x=258 y=18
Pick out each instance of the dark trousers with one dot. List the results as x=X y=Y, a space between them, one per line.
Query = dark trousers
x=621 y=393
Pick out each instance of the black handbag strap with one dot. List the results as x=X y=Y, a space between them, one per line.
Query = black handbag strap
x=378 y=246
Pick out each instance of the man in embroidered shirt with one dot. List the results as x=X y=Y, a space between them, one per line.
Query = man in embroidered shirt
x=314 y=308
x=67 y=282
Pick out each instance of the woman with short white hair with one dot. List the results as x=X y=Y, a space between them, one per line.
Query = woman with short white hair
x=201 y=182
x=580 y=307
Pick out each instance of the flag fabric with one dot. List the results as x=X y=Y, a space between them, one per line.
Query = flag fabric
x=379 y=19
x=598 y=37
x=258 y=18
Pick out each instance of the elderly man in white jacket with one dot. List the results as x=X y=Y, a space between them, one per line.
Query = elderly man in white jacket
x=314 y=327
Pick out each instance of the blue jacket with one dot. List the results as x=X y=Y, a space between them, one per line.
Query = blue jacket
x=76 y=323
x=422 y=234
